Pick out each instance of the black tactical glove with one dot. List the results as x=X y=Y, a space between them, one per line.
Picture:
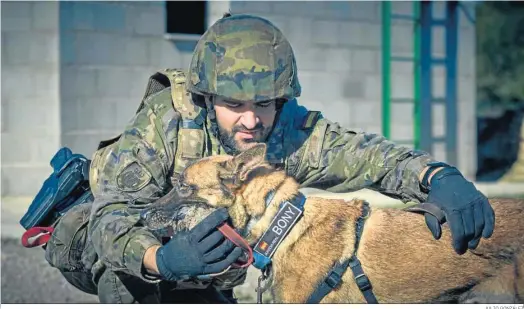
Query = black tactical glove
x=203 y=250
x=466 y=209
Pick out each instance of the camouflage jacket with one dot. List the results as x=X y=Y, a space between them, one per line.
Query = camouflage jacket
x=136 y=169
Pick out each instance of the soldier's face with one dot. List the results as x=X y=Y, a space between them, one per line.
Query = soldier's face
x=241 y=125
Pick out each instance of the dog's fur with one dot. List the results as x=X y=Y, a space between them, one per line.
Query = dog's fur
x=403 y=261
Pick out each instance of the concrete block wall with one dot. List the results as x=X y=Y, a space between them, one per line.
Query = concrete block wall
x=338 y=48
x=74 y=74
x=90 y=62
x=108 y=50
x=467 y=89
x=30 y=94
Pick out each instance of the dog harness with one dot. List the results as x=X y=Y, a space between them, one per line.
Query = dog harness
x=334 y=278
x=289 y=214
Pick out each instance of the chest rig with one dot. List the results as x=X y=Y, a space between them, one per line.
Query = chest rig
x=192 y=138
x=190 y=134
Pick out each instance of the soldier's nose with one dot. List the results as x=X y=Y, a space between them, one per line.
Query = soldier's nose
x=249 y=120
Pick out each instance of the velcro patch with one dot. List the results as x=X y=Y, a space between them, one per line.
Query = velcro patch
x=283 y=222
x=133 y=178
x=310 y=120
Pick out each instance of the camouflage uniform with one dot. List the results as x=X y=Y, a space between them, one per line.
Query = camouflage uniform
x=137 y=168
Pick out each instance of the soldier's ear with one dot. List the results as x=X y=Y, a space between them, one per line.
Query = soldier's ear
x=240 y=165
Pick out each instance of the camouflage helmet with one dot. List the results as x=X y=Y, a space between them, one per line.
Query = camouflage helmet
x=244 y=58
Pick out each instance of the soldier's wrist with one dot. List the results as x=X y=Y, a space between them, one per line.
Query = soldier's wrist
x=431 y=173
x=149 y=260
x=428 y=172
x=137 y=243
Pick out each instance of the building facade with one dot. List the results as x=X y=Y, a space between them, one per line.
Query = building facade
x=73 y=73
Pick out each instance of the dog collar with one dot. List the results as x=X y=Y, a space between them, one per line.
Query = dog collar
x=286 y=218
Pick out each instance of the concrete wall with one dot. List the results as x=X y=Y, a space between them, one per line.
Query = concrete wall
x=74 y=74
x=30 y=94
x=338 y=48
x=108 y=49
x=466 y=87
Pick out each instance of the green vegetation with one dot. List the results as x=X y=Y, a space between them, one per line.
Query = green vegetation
x=500 y=56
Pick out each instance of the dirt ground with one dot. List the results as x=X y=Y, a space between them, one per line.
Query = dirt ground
x=28 y=278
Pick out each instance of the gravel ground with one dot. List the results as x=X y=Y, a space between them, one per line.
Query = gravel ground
x=28 y=278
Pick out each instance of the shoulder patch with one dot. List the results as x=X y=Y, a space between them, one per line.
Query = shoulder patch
x=133 y=177
x=310 y=119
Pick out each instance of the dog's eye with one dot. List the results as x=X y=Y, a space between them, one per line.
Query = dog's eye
x=185 y=190
x=184 y=186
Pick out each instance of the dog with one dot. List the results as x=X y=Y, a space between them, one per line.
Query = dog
x=396 y=251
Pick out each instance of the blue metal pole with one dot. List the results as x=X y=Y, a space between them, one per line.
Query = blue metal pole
x=451 y=82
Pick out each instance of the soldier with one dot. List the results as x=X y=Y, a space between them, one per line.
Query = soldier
x=241 y=88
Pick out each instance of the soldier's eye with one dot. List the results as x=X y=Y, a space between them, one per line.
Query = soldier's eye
x=265 y=104
x=233 y=105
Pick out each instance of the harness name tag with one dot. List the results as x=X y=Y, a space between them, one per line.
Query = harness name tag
x=284 y=220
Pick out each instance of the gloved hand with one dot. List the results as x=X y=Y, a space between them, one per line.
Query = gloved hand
x=466 y=209
x=200 y=251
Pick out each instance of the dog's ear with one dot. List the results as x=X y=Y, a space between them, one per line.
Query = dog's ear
x=240 y=165
x=247 y=160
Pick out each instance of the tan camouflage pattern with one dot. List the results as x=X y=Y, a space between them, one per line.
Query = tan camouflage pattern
x=337 y=159
x=137 y=170
x=95 y=167
x=69 y=250
x=190 y=142
x=145 y=148
x=133 y=172
x=244 y=58
x=182 y=102
x=340 y=160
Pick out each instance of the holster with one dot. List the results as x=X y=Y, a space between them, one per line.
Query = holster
x=66 y=187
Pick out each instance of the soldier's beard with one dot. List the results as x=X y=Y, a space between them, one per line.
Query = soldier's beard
x=227 y=138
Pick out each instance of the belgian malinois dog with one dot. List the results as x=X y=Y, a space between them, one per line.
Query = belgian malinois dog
x=397 y=252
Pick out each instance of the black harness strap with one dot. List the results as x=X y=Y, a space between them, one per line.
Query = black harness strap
x=332 y=281
x=362 y=280
x=334 y=278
